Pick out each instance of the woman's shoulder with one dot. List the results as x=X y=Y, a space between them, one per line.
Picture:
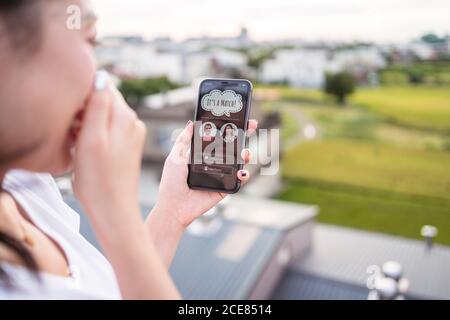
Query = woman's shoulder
x=45 y=286
x=35 y=189
x=39 y=183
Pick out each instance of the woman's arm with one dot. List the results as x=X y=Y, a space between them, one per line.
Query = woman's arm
x=107 y=165
x=177 y=205
x=141 y=273
x=165 y=233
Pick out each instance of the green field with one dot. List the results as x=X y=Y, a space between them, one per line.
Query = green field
x=430 y=73
x=381 y=163
x=421 y=107
x=359 y=124
x=386 y=212
x=369 y=165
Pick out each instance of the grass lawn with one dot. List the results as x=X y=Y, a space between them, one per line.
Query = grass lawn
x=421 y=107
x=371 y=165
x=386 y=212
x=358 y=123
x=371 y=186
x=289 y=128
x=382 y=162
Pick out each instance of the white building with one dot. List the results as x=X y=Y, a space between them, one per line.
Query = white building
x=300 y=68
x=422 y=50
x=213 y=63
x=140 y=60
x=307 y=68
x=364 y=58
x=229 y=59
x=144 y=60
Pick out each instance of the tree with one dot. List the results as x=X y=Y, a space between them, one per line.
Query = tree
x=340 y=85
x=415 y=76
x=431 y=38
x=134 y=90
x=257 y=58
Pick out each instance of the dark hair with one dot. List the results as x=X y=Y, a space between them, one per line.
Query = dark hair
x=21 y=21
x=22 y=252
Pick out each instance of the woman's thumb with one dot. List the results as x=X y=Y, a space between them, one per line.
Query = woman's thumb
x=98 y=109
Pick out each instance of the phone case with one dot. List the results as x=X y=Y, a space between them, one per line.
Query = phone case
x=247 y=114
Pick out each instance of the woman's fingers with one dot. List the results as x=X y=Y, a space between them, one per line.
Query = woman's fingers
x=252 y=126
x=243 y=175
x=123 y=115
x=97 y=114
x=183 y=143
x=246 y=155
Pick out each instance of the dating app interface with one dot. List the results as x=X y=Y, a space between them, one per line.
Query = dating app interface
x=219 y=128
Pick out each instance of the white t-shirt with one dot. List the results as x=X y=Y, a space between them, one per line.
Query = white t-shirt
x=92 y=276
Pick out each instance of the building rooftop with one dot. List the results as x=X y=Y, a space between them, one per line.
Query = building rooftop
x=251 y=233
x=296 y=285
x=336 y=266
x=229 y=263
x=207 y=267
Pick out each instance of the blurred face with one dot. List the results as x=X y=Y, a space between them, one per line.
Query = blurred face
x=43 y=91
x=229 y=131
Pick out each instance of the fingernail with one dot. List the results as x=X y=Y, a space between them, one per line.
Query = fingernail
x=188 y=123
x=101 y=80
x=243 y=174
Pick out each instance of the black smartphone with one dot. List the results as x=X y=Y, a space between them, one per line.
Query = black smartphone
x=220 y=126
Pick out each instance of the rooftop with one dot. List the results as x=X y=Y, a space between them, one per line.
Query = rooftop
x=336 y=266
x=229 y=263
x=245 y=254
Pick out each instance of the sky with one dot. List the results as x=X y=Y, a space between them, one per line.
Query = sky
x=341 y=20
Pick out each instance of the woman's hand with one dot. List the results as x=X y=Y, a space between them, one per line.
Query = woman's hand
x=108 y=153
x=178 y=205
x=175 y=197
x=106 y=181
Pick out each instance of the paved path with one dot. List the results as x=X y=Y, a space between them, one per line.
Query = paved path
x=307 y=129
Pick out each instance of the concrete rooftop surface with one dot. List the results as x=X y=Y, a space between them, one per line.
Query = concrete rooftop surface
x=336 y=266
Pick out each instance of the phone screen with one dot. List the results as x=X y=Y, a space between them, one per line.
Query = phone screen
x=219 y=134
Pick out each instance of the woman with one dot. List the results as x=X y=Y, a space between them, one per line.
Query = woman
x=229 y=134
x=55 y=116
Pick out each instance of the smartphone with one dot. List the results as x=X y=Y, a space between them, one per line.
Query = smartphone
x=220 y=126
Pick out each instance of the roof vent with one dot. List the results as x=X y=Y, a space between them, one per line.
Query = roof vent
x=389 y=284
x=429 y=233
